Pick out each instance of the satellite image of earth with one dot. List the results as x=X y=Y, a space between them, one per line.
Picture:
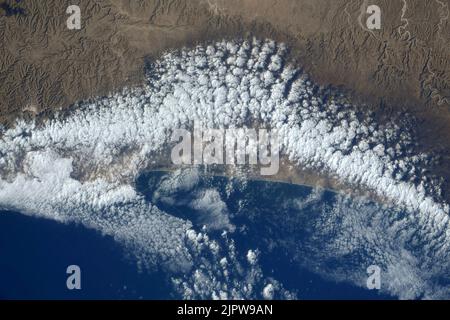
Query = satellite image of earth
x=225 y=149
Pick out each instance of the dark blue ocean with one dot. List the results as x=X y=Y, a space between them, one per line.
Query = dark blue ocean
x=35 y=252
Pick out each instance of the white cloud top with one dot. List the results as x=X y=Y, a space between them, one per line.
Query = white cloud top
x=82 y=168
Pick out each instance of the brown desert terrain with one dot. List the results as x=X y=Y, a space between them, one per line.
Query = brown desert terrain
x=403 y=67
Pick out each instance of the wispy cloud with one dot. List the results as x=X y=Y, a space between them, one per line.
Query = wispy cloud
x=82 y=168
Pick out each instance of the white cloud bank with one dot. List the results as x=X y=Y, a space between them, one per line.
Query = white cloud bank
x=82 y=168
x=339 y=237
